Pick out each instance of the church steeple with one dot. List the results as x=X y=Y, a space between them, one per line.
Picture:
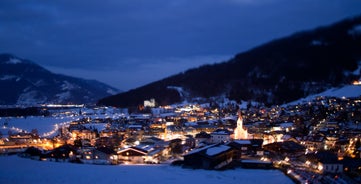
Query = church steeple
x=240 y=132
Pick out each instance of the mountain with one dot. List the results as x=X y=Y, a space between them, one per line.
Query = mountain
x=23 y=82
x=277 y=72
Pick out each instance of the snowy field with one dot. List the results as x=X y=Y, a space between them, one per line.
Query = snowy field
x=44 y=125
x=347 y=91
x=14 y=169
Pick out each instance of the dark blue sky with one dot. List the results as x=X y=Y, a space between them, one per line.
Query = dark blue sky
x=129 y=43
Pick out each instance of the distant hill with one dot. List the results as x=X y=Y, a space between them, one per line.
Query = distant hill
x=23 y=82
x=278 y=72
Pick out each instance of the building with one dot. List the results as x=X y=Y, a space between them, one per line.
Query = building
x=240 y=132
x=215 y=156
x=251 y=147
x=220 y=136
x=326 y=162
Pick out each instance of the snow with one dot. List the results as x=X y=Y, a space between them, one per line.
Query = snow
x=31 y=97
x=190 y=124
x=221 y=132
x=111 y=91
x=347 y=91
x=98 y=126
x=316 y=42
x=179 y=90
x=8 y=77
x=217 y=149
x=244 y=104
x=358 y=70
x=286 y=125
x=243 y=141
x=42 y=124
x=14 y=61
x=200 y=149
x=67 y=86
x=63 y=96
x=356 y=30
x=20 y=170
x=40 y=83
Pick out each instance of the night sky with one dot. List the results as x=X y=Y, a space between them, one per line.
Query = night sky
x=129 y=43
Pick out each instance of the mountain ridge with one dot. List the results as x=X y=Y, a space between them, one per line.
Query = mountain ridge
x=276 y=72
x=24 y=82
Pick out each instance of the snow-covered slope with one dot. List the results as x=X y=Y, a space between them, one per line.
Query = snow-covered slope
x=23 y=82
x=347 y=91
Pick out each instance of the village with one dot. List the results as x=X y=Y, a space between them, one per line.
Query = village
x=314 y=141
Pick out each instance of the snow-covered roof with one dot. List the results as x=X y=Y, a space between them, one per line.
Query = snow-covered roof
x=190 y=123
x=135 y=126
x=286 y=125
x=242 y=141
x=221 y=132
x=217 y=150
x=199 y=149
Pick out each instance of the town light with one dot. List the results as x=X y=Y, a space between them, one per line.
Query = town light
x=320 y=167
x=287 y=159
x=308 y=163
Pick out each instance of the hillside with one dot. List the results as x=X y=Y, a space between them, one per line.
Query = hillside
x=23 y=82
x=278 y=72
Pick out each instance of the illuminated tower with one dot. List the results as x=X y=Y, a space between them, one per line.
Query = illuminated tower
x=240 y=132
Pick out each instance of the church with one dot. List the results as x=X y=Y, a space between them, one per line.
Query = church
x=240 y=132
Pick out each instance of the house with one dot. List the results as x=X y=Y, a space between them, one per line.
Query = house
x=153 y=141
x=158 y=149
x=142 y=154
x=21 y=138
x=326 y=162
x=108 y=141
x=256 y=164
x=204 y=127
x=285 y=148
x=132 y=155
x=32 y=153
x=330 y=142
x=190 y=142
x=215 y=156
x=61 y=153
x=202 y=137
x=246 y=147
x=101 y=155
x=220 y=135
x=313 y=143
x=176 y=147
